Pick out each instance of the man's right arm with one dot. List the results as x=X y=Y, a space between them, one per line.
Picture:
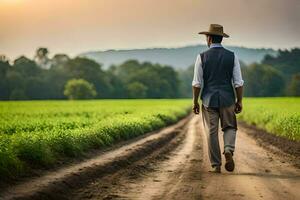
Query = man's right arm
x=196 y=84
x=196 y=92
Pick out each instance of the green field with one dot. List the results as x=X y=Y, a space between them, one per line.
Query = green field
x=280 y=116
x=38 y=133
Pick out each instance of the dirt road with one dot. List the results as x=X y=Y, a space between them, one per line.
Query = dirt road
x=177 y=169
x=184 y=174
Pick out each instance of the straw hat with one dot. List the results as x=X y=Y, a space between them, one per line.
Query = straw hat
x=215 y=29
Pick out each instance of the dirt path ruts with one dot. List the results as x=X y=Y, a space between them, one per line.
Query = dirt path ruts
x=178 y=169
x=58 y=184
x=259 y=174
x=184 y=174
x=178 y=176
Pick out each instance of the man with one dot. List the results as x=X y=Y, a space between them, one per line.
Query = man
x=217 y=72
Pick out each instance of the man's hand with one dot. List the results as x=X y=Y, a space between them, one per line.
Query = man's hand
x=238 y=107
x=196 y=92
x=196 y=108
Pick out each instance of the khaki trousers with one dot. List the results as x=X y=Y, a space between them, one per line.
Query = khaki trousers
x=211 y=118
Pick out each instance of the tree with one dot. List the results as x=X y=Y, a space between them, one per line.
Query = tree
x=3 y=58
x=37 y=88
x=287 y=62
x=59 y=60
x=4 y=68
x=170 y=81
x=185 y=78
x=79 y=89
x=55 y=80
x=263 y=80
x=17 y=94
x=26 y=75
x=41 y=58
x=136 y=90
x=84 y=68
x=26 y=67
x=294 y=86
x=132 y=79
x=161 y=81
x=118 y=88
x=15 y=81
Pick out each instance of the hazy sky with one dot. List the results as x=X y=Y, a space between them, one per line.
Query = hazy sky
x=75 y=26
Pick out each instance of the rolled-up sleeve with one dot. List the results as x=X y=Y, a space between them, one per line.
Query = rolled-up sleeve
x=198 y=73
x=237 y=74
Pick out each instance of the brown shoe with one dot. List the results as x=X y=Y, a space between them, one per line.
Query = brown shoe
x=229 y=165
x=215 y=169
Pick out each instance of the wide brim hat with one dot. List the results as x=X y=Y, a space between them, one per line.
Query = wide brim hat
x=215 y=29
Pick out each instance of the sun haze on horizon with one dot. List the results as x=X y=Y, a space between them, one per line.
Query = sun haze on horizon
x=76 y=26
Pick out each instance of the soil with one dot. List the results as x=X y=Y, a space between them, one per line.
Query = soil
x=288 y=149
x=172 y=164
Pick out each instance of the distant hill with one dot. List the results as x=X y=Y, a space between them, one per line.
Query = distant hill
x=179 y=58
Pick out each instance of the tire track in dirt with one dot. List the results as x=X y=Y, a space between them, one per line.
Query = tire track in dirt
x=177 y=168
x=177 y=177
x=58 y=184
x=259 y=174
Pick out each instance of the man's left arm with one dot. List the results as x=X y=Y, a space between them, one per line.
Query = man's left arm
x=238 y=84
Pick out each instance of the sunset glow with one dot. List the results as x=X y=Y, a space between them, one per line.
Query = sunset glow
x=11 y=1
x=75 y=26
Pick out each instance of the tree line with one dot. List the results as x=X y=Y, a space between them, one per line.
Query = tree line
x=62 y=77
x=274 y=76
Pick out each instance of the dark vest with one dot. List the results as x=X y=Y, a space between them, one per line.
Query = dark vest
x=217 y=64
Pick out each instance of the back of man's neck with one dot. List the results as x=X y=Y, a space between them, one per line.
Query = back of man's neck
x=215 y=45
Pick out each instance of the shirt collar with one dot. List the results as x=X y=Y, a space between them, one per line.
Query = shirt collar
x=215 y=45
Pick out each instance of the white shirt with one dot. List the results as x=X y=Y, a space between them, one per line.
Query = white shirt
x=198 y=71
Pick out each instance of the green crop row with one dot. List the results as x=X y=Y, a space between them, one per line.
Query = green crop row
x=38 y=133
x=280 y=116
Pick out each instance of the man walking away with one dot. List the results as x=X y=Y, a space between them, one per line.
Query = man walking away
x=217 y=72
